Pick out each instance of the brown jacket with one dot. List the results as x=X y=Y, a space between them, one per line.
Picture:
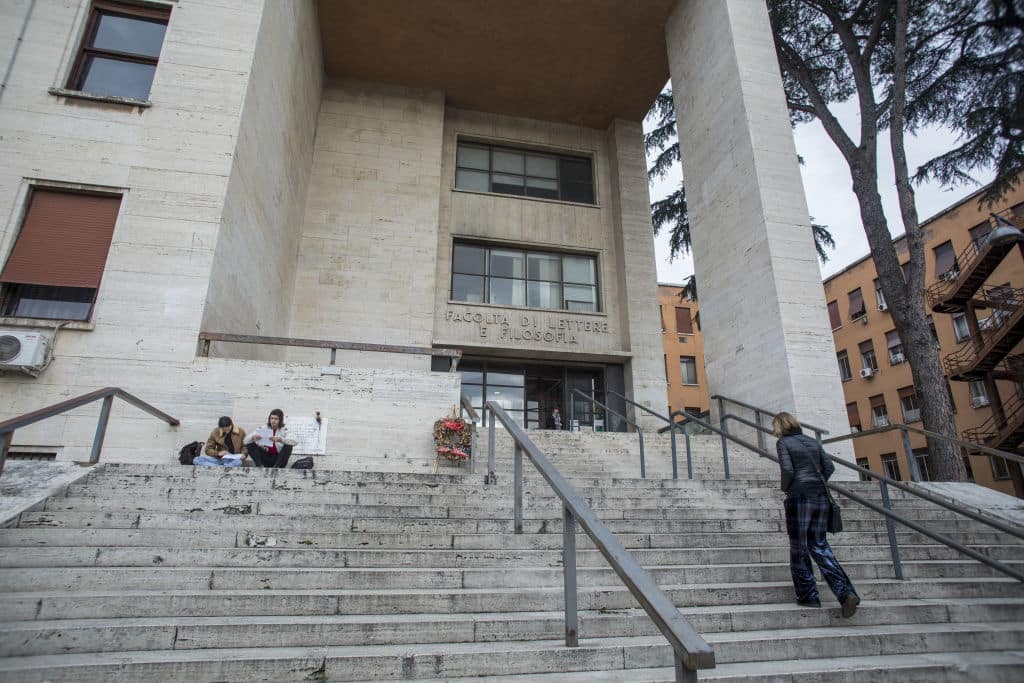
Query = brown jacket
x=215 y=444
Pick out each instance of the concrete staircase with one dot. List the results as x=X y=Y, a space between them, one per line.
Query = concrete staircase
x=168 y=573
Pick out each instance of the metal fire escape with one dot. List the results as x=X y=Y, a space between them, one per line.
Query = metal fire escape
x=986 y=355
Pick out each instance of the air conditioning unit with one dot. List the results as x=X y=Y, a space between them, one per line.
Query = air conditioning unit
x=23 y=350
x=896 y=358
x=867 y=373
x=979 y=401
x=883 y=307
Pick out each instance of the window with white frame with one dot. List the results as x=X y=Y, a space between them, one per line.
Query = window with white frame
x=688 y=367
x=960 y=329
x=514 y=277
x=845 y=373
x=891 y=466
x=909 y=405
x=895 y=346
x=979 y=395
x=867 y=355
x=921 y=458
x=879 y=412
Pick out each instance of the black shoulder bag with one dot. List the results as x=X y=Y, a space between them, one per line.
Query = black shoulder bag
x=835 y=513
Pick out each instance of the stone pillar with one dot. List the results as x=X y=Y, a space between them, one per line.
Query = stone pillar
x=637 y=275
x=767 y=339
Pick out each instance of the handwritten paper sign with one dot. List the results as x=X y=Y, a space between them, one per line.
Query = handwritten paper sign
x=311 y=437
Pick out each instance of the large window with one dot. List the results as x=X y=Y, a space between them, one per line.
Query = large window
x=510 y=277
x=979 y=233
x=853 y=415
x=119 y=50
x=945 y=261
x=58 y=258
x=879 y=413
x=909 y=405
x=867 y=355
x=688 y=366
x=960 y=329
x=979 y=395
x=833 y=315
x=856 y=304
x=895 y=346
x=485 y=168
x=684 y=323
x=890 y=466
x=921 y=458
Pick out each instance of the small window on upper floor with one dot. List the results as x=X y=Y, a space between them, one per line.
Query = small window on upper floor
x=486 y=168
x=119 y=50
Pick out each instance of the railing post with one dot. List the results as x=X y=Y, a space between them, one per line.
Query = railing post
x=334 y=355
x=689 y=454
x=915 y=473
x=517 y=504
x=643 y=461
x=5 y=446
x=725 y=445
x=890 y=528
x=721 y=409
x=684 y=675
x=675 y=463
x=492 y=478
x=760 y=435
x=572 y=625
x=101 y=430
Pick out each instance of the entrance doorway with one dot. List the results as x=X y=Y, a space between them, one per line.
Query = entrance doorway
x=530 y=392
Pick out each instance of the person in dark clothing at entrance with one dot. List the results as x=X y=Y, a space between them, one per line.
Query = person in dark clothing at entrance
x=805 y=469
x=270 y=446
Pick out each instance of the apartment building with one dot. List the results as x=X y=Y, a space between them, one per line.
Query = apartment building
x=685 y=375
x=974 y=290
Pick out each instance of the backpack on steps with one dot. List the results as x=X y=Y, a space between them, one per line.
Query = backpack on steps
x=190 y=452
x=303 y=464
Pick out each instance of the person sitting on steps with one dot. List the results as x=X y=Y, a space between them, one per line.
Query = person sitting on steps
x=270 y=446
x=224 y=447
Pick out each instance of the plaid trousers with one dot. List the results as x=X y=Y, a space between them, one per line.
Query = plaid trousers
x=806 y=523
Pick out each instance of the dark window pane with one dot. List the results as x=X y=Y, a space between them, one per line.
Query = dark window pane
x=507 y=184
x=506 y=263
x=469 y=260
x=474 y=392
x=102 y=76
x=468 y=288
x=507 y=292
x=473 y=157
x=577 y=180
x=512 y=379
x=131 y=35
x=52 y=303
x=541 y=167
x=543 y=295
x=546 y=189
x=472 y=180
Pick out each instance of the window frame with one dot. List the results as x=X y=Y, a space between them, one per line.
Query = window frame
x=864 y=355
x=526 y=279
x=693 y=360
x=892 y=472
x=139 y=12
x=557 y=156
x=841 y=357
x=956 y=332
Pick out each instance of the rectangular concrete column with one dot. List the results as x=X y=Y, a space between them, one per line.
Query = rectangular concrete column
x=767 y=339
x=636 y=271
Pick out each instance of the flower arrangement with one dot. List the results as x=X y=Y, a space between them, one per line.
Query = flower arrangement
x=452 y=438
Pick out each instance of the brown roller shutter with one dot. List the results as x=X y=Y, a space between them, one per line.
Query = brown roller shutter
x=64 y=240
x=945 y=258
x=906 y=391
x=852 y=415
x=833 y=315
x=684 y=324
x=877 y=401
x=856 y=304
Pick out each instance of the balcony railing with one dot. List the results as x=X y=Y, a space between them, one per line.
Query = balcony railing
x=1005 y=303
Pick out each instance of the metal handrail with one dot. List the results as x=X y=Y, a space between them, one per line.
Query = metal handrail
x=675 y=465
x=474 y=419
x=690 y=650
x=207 y=337
x=885 y=508
x=758 y=411
x=107 y=395
x=639 y=431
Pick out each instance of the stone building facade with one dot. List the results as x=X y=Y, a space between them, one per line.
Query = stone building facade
x=432 y=174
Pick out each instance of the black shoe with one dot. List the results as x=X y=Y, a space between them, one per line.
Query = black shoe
x=850 y=603
x=809 y=603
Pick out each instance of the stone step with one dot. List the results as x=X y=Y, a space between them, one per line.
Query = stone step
x=953 y=667
x=242 y=519
x=354 y=663
x=59 y=536
x=157 y=577
x=302 y=557
x=31 y=638
x=200 y=600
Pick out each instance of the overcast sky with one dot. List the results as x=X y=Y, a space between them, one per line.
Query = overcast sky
x=830 y=198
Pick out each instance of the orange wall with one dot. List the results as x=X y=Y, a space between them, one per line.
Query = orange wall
x=953 y=224
x=675 y=345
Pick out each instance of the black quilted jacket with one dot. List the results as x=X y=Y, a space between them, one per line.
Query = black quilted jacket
x=800 y=458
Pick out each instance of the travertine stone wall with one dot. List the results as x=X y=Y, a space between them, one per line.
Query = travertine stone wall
x=636 y=273
x=766 y=331
x=369 y=237
x=256 y=258
x=543 y=224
